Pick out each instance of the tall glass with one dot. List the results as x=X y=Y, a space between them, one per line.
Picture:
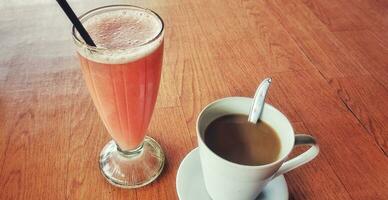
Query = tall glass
x=123 y=84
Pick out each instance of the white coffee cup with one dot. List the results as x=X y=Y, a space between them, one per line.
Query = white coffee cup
x=225 y=180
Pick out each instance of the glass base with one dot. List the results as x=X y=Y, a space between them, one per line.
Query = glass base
x=132 y=169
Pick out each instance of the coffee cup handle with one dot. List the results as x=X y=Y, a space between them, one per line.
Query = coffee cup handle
x=305 y=157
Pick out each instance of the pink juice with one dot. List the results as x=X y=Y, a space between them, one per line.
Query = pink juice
x=123 y=74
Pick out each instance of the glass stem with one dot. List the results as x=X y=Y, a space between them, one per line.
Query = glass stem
x=131 y=153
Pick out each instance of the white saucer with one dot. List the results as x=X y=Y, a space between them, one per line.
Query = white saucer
x=190 y=185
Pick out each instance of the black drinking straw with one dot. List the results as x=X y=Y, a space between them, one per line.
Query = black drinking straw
x=77 y=24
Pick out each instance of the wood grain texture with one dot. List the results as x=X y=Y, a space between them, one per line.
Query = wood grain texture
x=328 y=60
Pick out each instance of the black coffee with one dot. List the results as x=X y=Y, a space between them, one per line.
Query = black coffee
x=233 y=138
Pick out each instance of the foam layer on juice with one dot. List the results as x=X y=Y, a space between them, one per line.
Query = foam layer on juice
x=124 y=35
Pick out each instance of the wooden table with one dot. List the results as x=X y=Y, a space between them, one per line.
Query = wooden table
x=328 y=60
